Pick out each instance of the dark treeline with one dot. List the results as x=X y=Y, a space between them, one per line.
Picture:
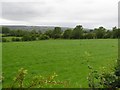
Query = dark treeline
x=77 y=33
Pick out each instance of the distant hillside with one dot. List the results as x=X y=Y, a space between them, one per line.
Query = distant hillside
x=37 y=28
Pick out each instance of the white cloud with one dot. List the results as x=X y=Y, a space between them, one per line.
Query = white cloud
x=89 y=13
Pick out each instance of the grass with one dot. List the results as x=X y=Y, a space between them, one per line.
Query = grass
x=68 y=58
x=0 y=35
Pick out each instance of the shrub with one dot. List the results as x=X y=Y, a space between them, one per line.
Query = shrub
x=36 y=81
x=56 y=33
x=33 y=38
x=4 y=40
x=16 y=39
x=43 y=37
x=28 y=38
x=105 y=79
x=88 y=36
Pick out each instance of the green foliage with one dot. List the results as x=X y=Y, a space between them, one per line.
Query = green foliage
x=33 y=38
x=56 y=33
x=117 y=70
x=5 y=30
x=100 y=32
x=67 y=34
x=48 y=33
x=77 y=32
x=92 y=79
x=19 y=79
x=106 y=79
x=108 y=34
x=89 y=36
x=16 y=39
x=4 y=40
x=28 y=38
x=33 y=32
x=116 y=32
x=43 y=37
x=18 y=33
x=35 y=82
x=39 y=32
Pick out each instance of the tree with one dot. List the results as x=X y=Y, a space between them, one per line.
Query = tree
x=89 y=35
x=100 y=32
x=49 y=33
x=39 y=32
x=43 y=37
x=108 y=34
x=18 y=33
x=67 y=34
x=77 y=32
x=56 y=33
x=5 y=30
x=33 y=37
x=116 y=32
x=33 y=32
x=28 y=38
x=0 y=29
x=119 y=33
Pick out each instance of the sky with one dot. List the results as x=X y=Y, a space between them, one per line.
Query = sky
x=63 y=13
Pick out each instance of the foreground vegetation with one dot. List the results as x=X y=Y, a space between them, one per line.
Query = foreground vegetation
x=104 y=80
x=68 y=58
x=36 y=81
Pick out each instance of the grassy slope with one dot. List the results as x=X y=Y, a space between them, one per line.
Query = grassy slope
x=68 y=58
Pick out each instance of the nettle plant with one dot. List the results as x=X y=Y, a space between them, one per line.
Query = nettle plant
x=105 y=79
x=36 y=82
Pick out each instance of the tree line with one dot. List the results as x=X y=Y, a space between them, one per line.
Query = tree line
x=76 y=33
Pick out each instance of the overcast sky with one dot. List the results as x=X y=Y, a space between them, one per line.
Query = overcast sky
x=66 y=13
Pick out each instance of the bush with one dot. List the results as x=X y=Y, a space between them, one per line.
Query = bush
x=26 y=38
x=36 y=81
x=33 y=38
x=105 y=79
x=88 y=36
x=4 y=40
x=16 y=39
x=43 y=37
x=29 y=38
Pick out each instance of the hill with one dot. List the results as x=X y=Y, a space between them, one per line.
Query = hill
x=37 y=28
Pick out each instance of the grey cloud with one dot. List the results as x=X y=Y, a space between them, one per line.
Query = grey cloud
x=24 y=11
x=89 y=13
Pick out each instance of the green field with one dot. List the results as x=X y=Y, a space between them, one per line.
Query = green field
x=68 y=58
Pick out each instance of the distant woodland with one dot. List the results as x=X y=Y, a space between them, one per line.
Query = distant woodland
x=57 y=33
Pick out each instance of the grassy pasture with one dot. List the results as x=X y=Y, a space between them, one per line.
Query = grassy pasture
x=68 y=58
